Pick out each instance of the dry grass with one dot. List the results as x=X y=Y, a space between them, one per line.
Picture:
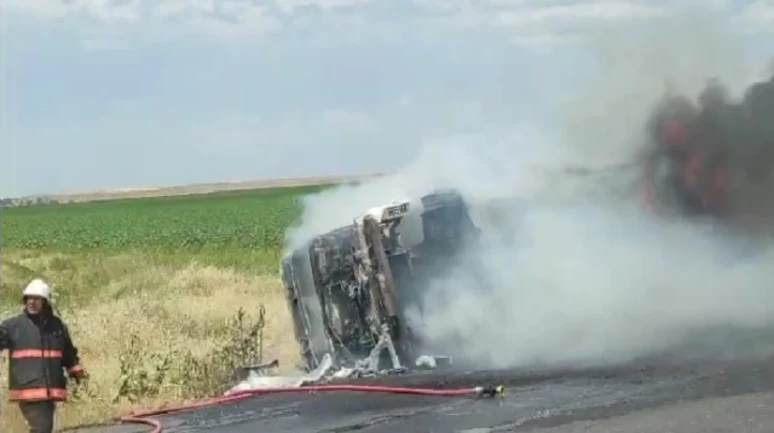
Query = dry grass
x=180 y=315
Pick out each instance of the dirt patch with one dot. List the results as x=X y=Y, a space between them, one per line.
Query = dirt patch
x=205 y=188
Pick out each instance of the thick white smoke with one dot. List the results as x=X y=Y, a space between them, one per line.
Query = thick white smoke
x=593 y=285
x=481 y=167
x=574 y=276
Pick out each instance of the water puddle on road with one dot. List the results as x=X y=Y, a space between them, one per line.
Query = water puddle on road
x=551 y=400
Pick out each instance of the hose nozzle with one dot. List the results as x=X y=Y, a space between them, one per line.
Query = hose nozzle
x=490 y=390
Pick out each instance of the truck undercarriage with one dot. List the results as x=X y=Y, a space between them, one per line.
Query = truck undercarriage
x=348 y=289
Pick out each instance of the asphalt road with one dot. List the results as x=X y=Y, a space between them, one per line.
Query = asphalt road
x=683 y=397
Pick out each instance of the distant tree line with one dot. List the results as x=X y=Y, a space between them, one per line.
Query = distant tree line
x=26 y=201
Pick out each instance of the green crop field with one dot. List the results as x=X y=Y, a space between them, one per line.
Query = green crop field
x=252 y=219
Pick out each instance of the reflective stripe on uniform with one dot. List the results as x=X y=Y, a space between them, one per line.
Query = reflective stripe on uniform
x=40 y=348
x=36 y=353
x=37 y=394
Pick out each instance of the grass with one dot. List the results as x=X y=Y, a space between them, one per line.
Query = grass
x=252 y=219
x=164 y=296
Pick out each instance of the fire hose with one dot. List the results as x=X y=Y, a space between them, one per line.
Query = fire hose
x=147 y=417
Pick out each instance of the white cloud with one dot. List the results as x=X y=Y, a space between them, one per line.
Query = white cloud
x=534 y=25
x=106 y=11
x=759 y=13
x=532 y=22
x=110 y=12
x=171 y=8
x=290 y=6
x=46 y=8
x=604 y=10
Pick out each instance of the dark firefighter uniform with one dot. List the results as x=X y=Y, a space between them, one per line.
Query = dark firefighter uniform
x=39 y=349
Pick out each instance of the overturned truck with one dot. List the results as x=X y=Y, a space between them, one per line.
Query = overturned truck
x=348 y=289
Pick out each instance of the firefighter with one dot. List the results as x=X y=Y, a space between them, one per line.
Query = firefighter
x=40 y=350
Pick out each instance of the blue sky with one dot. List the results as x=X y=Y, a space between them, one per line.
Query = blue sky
x=133 y=93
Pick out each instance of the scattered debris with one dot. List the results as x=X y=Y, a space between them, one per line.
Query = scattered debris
x=259 y=379
x=260 y=376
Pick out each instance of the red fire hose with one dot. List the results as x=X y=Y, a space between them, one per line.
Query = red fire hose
x=146 y=417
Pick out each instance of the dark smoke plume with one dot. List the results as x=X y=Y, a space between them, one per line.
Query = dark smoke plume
x=719 y=151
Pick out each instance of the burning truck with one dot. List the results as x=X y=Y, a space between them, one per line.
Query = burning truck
x=348 y=289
